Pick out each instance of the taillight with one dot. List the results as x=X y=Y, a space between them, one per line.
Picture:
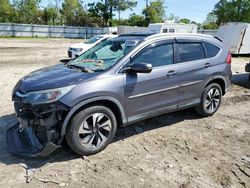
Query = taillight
x=229 y=58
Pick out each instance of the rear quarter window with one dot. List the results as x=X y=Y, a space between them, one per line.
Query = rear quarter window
x=211 y=49
x=190 y=52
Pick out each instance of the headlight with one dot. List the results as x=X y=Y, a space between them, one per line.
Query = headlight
x=46 y=96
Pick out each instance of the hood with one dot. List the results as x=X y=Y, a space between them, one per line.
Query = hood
x=52 y=77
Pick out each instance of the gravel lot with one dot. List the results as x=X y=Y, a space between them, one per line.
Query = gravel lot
x=174 y=150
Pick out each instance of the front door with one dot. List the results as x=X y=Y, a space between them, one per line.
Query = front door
x=147 y=94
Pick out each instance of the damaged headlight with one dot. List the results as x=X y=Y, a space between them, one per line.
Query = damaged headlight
x=46 y=96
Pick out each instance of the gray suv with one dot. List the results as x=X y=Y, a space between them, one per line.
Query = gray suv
x=116 y=83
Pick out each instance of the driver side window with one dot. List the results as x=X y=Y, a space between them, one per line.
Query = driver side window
x=160 y=55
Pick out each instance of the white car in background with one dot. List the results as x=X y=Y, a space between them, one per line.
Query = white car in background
x=77 y=49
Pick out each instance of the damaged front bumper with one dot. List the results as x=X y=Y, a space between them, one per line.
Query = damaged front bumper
x=23 y=142
x=37 y=132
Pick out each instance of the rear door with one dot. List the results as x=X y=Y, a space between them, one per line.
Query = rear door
x=194 y=71
x=147 y=94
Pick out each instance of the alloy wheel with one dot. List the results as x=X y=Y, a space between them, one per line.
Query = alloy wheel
x=95 y=130
x=212 y=101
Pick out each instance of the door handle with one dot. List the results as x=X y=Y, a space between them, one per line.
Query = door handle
x=207 y=65
x=171 y=73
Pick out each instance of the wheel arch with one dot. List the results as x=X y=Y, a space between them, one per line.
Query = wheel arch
x=109 y=102
x=218 y=80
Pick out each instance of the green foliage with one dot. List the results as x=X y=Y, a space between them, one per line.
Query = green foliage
x=49 y=15
x=99 y=11
x=105 y=10
x=210 y=22
x=232 y=11
x=136 y=20
x=211 y=25
x=185 y=21
x=122 y=5
x=26 y=11
x=6 y=11
x=155 y=12
x=73 y=13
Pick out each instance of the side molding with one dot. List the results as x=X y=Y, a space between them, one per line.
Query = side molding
x=85 y=102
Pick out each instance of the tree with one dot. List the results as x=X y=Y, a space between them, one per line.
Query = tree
x=73 y=13
x=185 y=21
x=50 y=14
x=122 y=5
x=99 y=10
x=232 y=11
x=210 y=22
x=136 y=20
x=6 y=11
x=155 y=12
x=26 y=11
x=106 y=9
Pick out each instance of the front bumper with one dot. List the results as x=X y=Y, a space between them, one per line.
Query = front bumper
x=37 y=132
x=24 y=143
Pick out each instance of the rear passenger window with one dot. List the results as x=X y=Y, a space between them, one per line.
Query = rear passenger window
x=211 y=49
x=157 y=56
x=191 y=51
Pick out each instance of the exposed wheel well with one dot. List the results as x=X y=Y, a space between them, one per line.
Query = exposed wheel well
x=109 y=104
x=221 y=83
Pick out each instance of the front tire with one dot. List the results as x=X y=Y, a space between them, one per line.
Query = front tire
x=210 y=100
x=91 y=130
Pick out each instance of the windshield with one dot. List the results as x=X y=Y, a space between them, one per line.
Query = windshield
x=93 y=39
x=104 y=55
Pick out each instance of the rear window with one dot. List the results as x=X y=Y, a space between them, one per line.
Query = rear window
x=190 y=52
x=211 y=49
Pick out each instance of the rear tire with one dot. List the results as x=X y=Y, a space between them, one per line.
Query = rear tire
x=91 y=130
x=210 y=100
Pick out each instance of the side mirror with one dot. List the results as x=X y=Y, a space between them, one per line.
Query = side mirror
x=65 y=61
x=139 y=68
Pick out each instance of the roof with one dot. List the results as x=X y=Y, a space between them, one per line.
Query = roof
x=179 y=35
x=137 y=34
x=152 y=36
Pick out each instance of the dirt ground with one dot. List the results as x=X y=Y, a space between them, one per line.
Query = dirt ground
x=174 y=150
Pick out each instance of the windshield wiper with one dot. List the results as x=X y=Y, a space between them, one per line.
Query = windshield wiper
x=83 y=69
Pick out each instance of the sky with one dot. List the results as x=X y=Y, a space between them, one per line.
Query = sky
x=195 y=10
